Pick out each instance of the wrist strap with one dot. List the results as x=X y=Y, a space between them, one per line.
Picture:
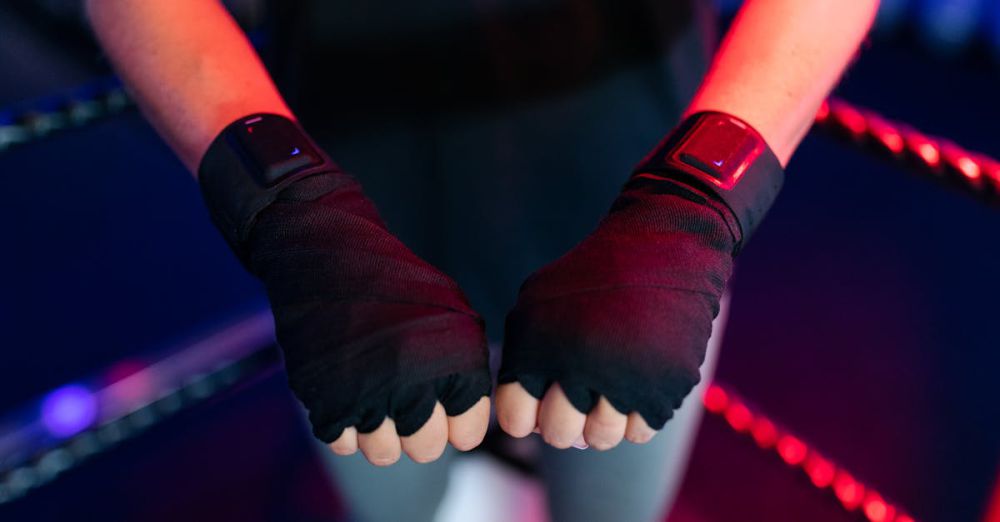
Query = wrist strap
x=724 y=157
x=249 y=163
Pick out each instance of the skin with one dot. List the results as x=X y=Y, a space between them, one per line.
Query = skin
x=778 y=62
x=192 y=71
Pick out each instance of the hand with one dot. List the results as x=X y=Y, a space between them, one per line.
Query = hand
x=605 y=342
x=382 y=348
x=384 y=446
x=562 y=425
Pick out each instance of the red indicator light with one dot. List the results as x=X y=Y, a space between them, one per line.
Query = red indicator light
x=739 y=417
x=820 y=471
x=764 y=432
x=969 y=168
x=791 y=450
x=848 y=491
x=876 y=509
x=892 y=141
x=850 y=118
x=716 y=400
x=890 y=137
x=929 y=153
x=824 y=112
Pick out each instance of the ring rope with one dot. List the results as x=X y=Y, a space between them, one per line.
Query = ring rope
x=943 y=160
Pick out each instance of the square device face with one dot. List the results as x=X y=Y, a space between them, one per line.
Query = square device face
x=721 y=148
x=275 y=148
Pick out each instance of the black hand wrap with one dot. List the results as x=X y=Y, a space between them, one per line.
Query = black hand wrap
x=367 y=329
x=628 y=312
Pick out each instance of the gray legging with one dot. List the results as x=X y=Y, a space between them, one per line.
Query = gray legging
x=491 y=196
x=632 y=482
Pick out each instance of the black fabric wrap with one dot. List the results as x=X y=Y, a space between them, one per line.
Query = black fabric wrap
x=747 y=202
x=367 y=329
x=627 y=313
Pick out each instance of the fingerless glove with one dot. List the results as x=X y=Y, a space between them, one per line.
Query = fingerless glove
x=628 y=312
x=367 y=329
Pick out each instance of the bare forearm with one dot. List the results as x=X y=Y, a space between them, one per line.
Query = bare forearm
x=189 y=66
x=778 y=62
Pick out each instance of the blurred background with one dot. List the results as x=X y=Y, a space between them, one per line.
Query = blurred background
x=138 y=380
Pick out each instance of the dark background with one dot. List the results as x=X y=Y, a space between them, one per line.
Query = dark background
x=864 y=313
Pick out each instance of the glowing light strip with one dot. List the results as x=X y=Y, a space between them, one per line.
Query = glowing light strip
x=937 y=158
x=993 y=511
x=76 y=421
x=822 y=472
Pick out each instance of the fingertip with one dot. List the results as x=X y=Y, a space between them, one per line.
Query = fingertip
x=429 y=441
x=467 y=430
x=517 y=410
x=638 y=431
x=381 y=447
x=556 y=441
x=560 y=422
x=347 y=443
x=605 y=426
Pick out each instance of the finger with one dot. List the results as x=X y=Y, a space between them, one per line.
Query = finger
x=428 y=442
x=605 y=426
x=517 y=410
x=637 y=430
x=381 y=447
x=467 y=430
x=347 y=443
x=561 y=424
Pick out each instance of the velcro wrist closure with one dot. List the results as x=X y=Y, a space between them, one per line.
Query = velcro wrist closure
x=249 y=163
x=724 y=157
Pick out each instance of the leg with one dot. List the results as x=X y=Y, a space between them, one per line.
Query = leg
x=630 y=482
x=404 y=491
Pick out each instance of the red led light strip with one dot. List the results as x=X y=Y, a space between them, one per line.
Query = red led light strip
x=853 y=495
x=993 y=511
x=938 y=158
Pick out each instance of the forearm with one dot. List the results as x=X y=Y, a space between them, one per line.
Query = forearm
x=188 y=65
x=780 y=60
